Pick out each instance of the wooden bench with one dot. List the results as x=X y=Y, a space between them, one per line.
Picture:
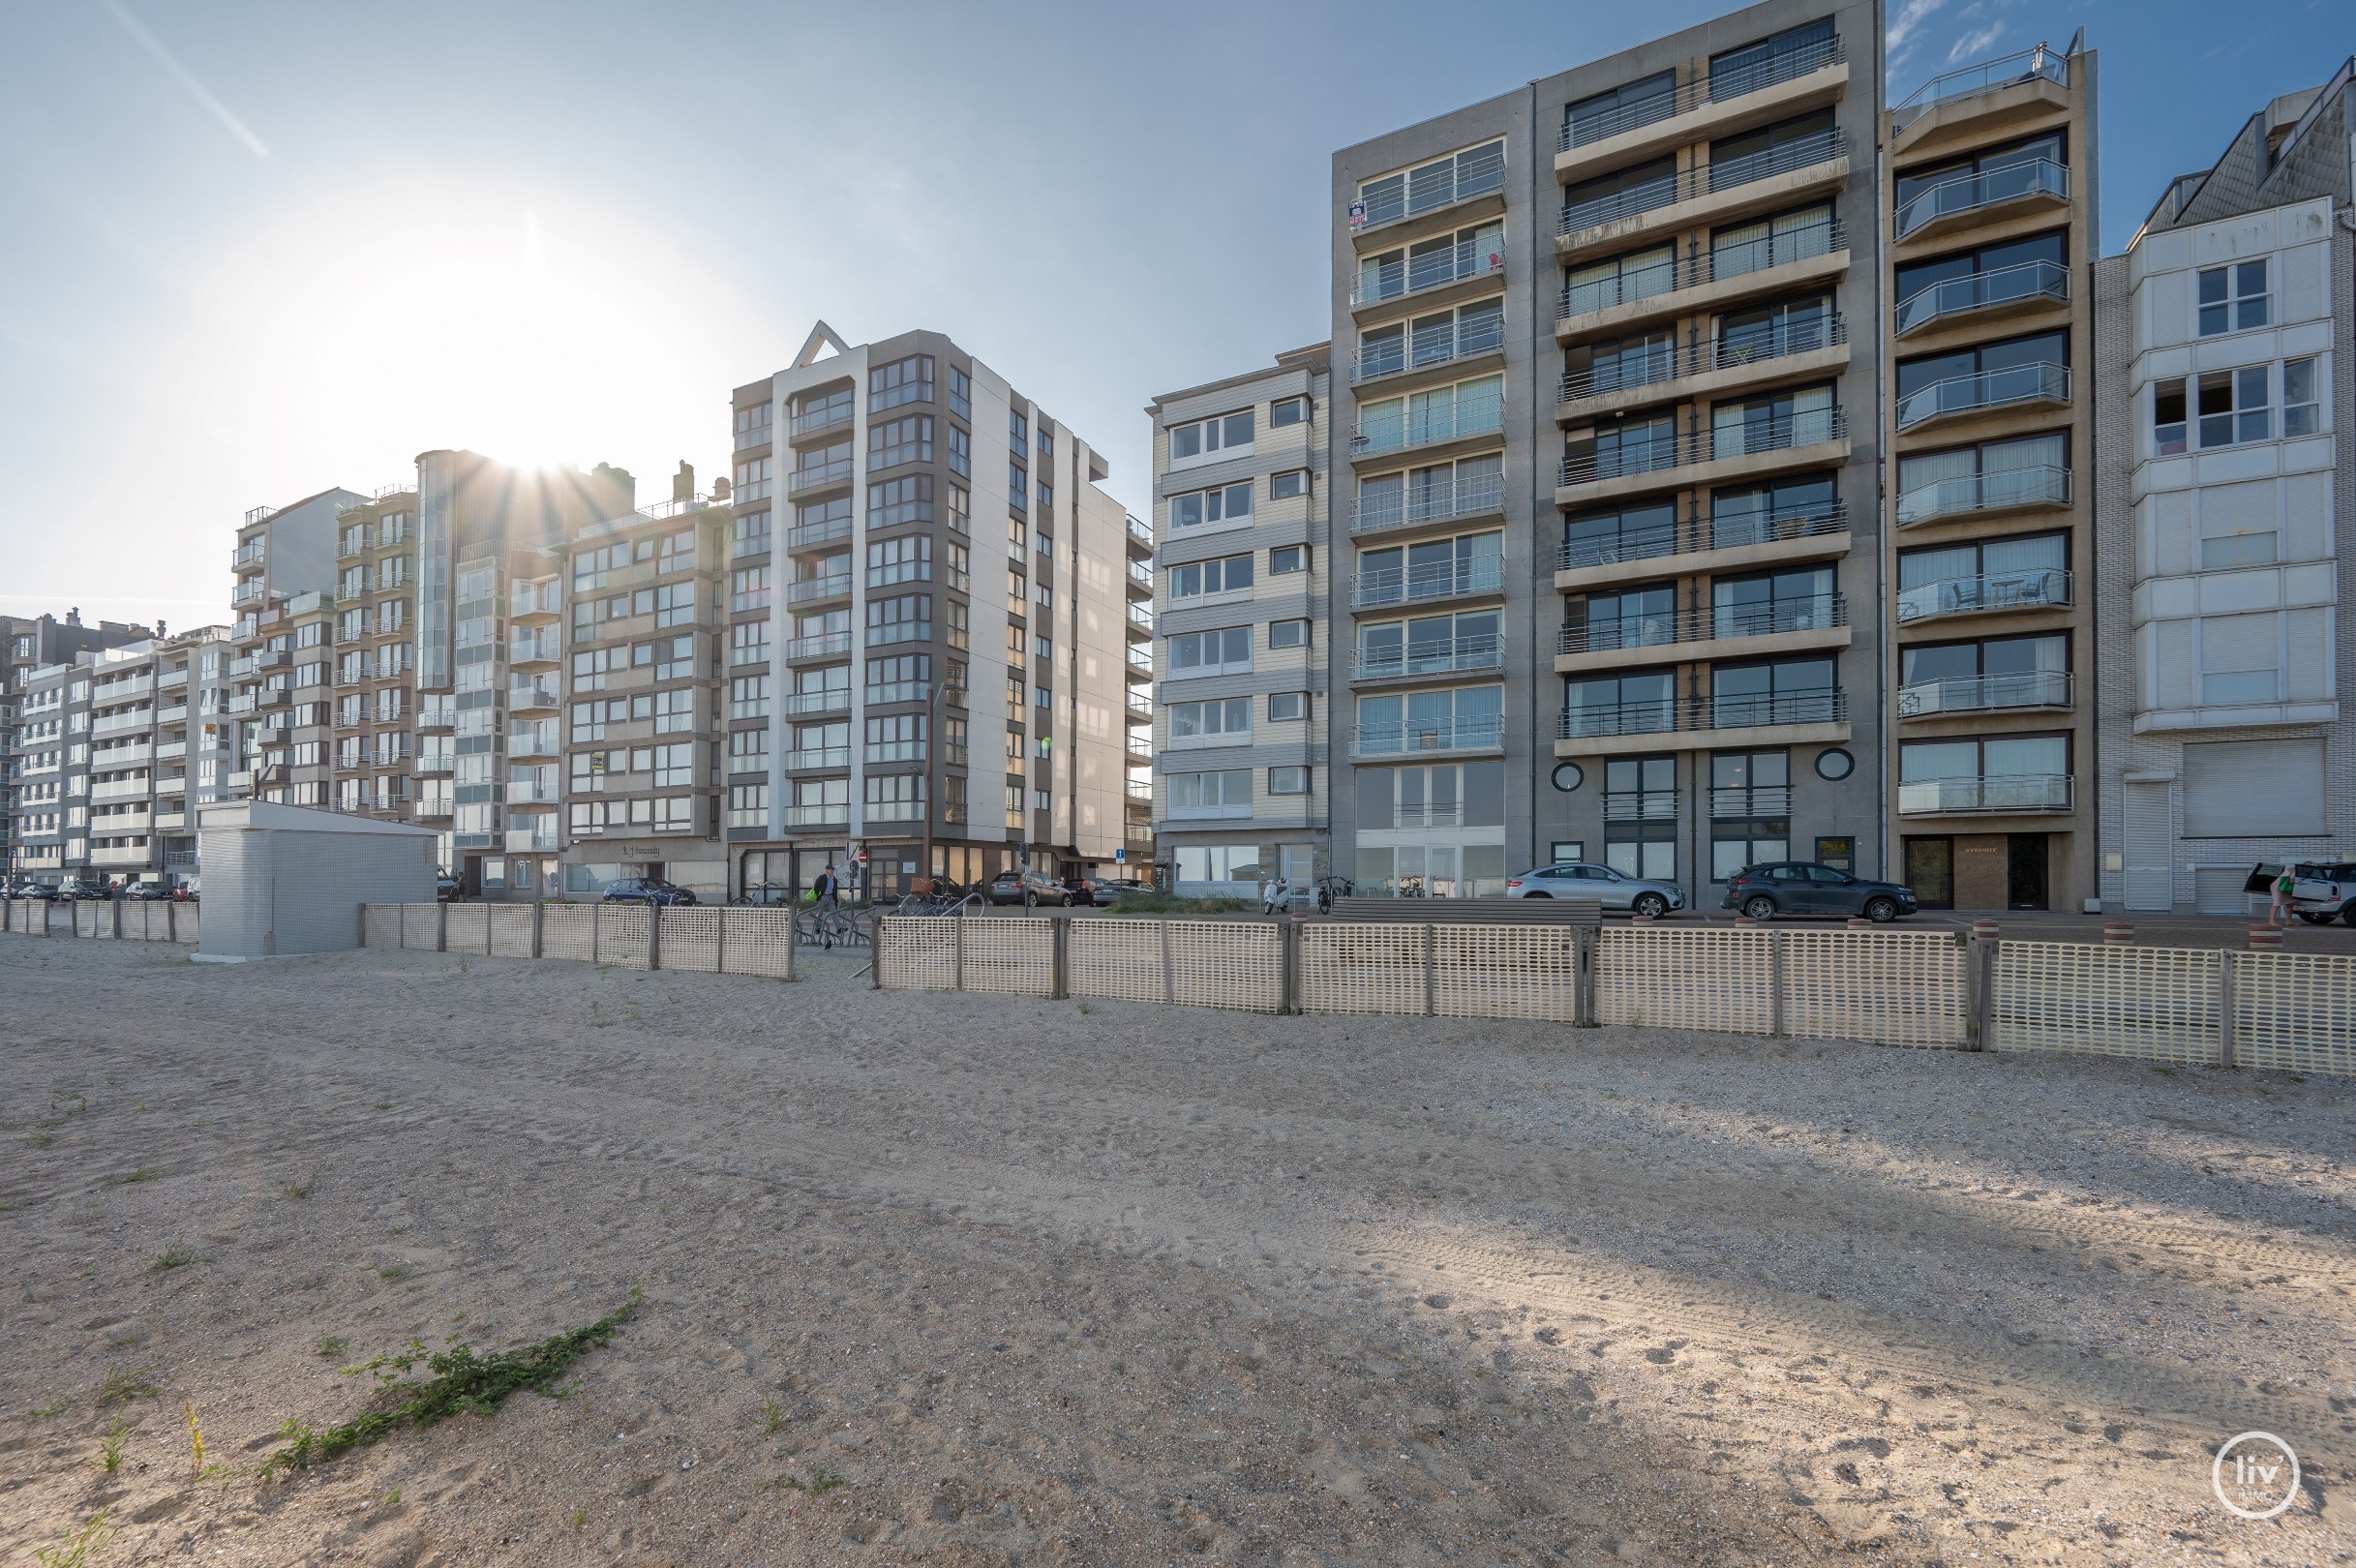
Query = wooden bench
x=1471 y=911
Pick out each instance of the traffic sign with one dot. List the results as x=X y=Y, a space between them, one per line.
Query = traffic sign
x=1120 y=857
x=862 y=857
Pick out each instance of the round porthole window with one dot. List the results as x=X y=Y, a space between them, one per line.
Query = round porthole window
x=1568 y=777
x=1834 y=764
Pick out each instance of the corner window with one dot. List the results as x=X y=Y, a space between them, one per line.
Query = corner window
x=1287 y=707
x=1228 y=434
x=2302 y=412
x=1287 y=560
x=1287 y=781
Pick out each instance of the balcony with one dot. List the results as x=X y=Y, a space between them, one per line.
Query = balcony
x=176 y=713
x=247 y=593
x=123 y=690
x=538 y=838
x=171 y=751
x=143 y=718
x=1973 y=198
x=1692 y=459
x=1433 y=276
x=174 y=677
x=1730 y=631
x=893 y=751
x=1978 y=495
x=2017 y=691
x=2004 y=291
x=519 y=747
x=138 y=856
x=819 y=590
x=1726 y=275
x=171 y=822
x=833 y=700
x=1456 y=501
x=898 y=691
x=2035 y=588
x=535 y=652
x=825 y=417
x=537 y=602
x=2008 y=794
x=819 y=477
x=122 y=789
x=1410 y=430
x=250 y=555
x=1431 y=348
x=1467 y=181
x=530 y=796
x=753 y=436
x=1378 y=589
x=1802 y=348
x=1706 y=108
x=2027 y=80
x=534 y=697
x=1421 y=661
x=1712 y=194
x=1474 y=735
x=816 y=758
x=1141 y=536
x=812 y=536
x=824 y=645
x=1789 y=717
x=1142 y=575
x=893 y=811
x=1140 y=666
x=1959 y=396
x=834 y=815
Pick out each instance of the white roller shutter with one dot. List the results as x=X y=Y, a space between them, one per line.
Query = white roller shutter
x=2217 y=890
x=2253 y=789
x=2151 y=848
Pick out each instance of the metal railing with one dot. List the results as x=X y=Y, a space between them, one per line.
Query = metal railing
x=1986 y=795
x=899 y=691
x=1655 y=367
x=755 y=435
x=810 y=535
x=2004 y=285
x=1478 y=495
x=1997 y=490
x=835 y=813
x=1667 y=715
x=831 y=700
x=1467 y=179
x=1989 y=76
x=818 y=757
x=1433 y=269
x=1825 y=611
x=1428 y=348
x=1658 y=454
x=825 y=417
x=818 y=647
x=1794 y=522
x=818 y=476
x=1737 y=259
x=1465 y=655
x=1717 y=88
x=1484 y=732
x=1447 y=580
x=1708 y=180
x=1972 y=192
x=1460 y=419
x=2035 y=588
x=893 y=751
x=1988 y=693
x=2041 y=381
x=810 y=590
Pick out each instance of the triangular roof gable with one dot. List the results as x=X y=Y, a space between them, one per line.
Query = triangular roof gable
x=821 y=336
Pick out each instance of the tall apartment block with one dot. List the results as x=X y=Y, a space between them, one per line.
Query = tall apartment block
x=283 y=554
x=938 y=618
x=2226 y=523
x=1243 y=546
x=1988 y=191
x=1604 y=407
x=27 y=643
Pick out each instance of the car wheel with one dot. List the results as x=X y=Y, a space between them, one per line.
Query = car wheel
x=2315 y=920
x=1881 y=910
x=1761 y=908
x=2347 y=913
x=1651 y=906
x=1537 y=895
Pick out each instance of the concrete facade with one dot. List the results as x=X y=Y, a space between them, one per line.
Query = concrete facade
x=283 y=880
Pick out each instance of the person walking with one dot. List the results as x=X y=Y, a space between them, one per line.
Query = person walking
x=2284 y=885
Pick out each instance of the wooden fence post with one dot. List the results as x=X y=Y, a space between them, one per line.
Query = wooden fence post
x=441 y=926
x=1290 y=933
x=960 y=944
x=2227 y=1046
x=654 y=935
x=539 y=925
x=1990 y=955
x=597 y=933
x=1975 y=978
x=719 y=941
x=1431 y=970
x=1775 y=983
x=1169 y=970
x=1059 y=960
x=1589 y=940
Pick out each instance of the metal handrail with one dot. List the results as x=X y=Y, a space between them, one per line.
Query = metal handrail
x=2023 y=280
x=2040 y=485
x=1686 y=447
x=830 y=700
x=818 y=476
x=1435 y=269
x=1975 y=694
x=1486 y=176
x=1469 y=733
x=835 y=585
x=1992 y=794
x=1476 y=497
x=2038 y=381
x=1463 y=654
x=818 y=647
x=2031 y=588
x=1970 y=192
x=1670 y=714
x=2005 y=70
x=1794 y=522
x=1736 y=260
x=1371 y=589
x=1640 y=806
x=1431 y=347
x=1824 y=611
x=810 y=535
x=1690 y=95
x=1803 y=336
x=1707 y=180
x=825 y=417
x=1464 y=417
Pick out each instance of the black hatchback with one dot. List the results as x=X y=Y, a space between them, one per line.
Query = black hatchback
x=1804 y=888
x=645 y=890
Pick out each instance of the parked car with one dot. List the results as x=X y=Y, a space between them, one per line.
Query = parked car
x=77 y=888
x=2325 y=892
x=647 y=891
x=1098 y=891
x=1804 y=888
x=445 y=887
x=32 y=890
x=1010 y=888
x=1578 y=879
x=146 y=892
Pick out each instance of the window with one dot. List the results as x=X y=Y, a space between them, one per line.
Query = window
x=2232 y=407
x=960 y=454
x=1231 y=503
x=1771 y=60
x=960 y=393
x=960 y=505
x=2007 y=774
x=1285 y=486
x=1046 y=442
x=1211 y=652
x=1223 y=721
x=1287 y=633
x=907 y=559
x=901 y=440
x=1287 y=560
x=1784 y=691
x=748 y=643
x=1432 y=185
x=1217 y=863
x=1228 y=434
x=748 y=751
x=2016 y=270
x=1640 y=812
x=905 y=618
x=2016 y=169
x=895 y=501
x=903 y=381
x=1231 y=574
x=752 y=479
x=1987 y=375
x=1287 y=707
x=1625 y=278
x=1018 y=431
x=2300 y=411
x=2028 y=470
x=1018 y=488
x=748 y=806
x=1287 y=412
x=1287 y=781
x=1046 y=497
x=1224 y=794
x=1750 y=805
x=1623 y=109
x=748 y=588
x=753 y=424
x=747 y=698
x=2240 y=658
x=2233 y=299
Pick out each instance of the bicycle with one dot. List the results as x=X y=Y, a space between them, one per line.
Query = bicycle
x=1329 y=889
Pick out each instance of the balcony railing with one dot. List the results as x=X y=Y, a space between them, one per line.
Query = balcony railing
x=1458 y=419
x=1141 y=530
x=899 y=691
x=1988 y=693
x=817 y=476
x=2005 y=70
x=818 y=757
x=810 y=535
x=1985 y=796
x=1973 y=193
x=1477 y=496
x=1463 y=655
x=1431 y=269
x=1429 y=347
x=1997 y=490
x=892 y=751
x=825 y=417
x=1725 y=261
x=2035 y=588
x=526 y=698
x=818 y=647
x=1632 y=372
x=1447 y=580
x=1467 y=179
x=1641 y=805
x=899 y=631
x=1780 y=67
x=1982 y=290
x=1708 y=180
x=836 y=813
x=1416 y=738
x=893 y=811
x=1673 y=714
x=1750 y=438
x=812 y=590
x=833 y=700
x=2041 y=382
x=248 y=591
x=755 y=435
x=1826 y=612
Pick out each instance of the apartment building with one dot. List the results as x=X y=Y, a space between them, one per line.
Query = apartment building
x=27 y=643
x=2225 y=521
x=615 y=757
x=283 y=553
x=1602 y=385
x=375 y=759
x=1988 y=184
x=906 y=704
x=1242 y=777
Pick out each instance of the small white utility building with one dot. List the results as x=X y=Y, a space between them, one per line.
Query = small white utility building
x=281 y=880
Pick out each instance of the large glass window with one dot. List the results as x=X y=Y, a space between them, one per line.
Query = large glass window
x=1230 y=435
x=1640 y=703
x=1428 y=644
x=1639 y=808
x=1771 y=149
x=1436 y=568
x=2028 y=470
x=1447 y=719
x=1784 y=691
x=1797 y=599
x=1997 y=574
x=1621 y=280
x=2018 y=270
x=2234 y=298
x=1799 y=235
x=1623 y=109
x=1635 y=532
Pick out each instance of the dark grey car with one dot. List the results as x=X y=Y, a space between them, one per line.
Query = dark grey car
x=1804 y=888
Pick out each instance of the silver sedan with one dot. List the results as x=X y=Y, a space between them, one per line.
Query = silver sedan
x=1575 y=879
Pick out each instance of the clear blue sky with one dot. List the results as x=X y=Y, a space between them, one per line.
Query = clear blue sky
x=250 y=250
